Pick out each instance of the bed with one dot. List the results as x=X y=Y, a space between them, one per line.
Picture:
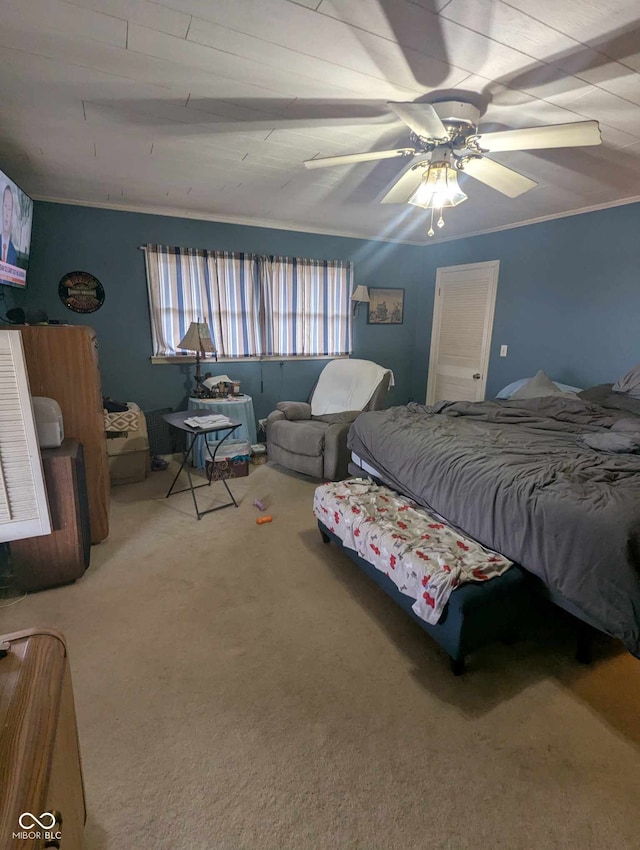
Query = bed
x=534 y=479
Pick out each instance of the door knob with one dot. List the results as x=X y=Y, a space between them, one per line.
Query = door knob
x=477 y=376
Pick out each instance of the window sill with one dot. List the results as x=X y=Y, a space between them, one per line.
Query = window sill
x=208 y=361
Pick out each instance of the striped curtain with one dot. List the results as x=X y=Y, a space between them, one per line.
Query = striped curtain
x=309 y=306
x=222 y=288
x=175 y=283
x=254 y=305
x=236 y=309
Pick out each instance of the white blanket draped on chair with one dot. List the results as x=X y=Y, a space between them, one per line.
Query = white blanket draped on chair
x=346 y=385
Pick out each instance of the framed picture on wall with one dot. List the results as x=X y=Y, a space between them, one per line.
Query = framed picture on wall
x=386 y=306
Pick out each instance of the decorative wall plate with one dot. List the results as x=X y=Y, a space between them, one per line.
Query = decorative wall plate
x=81 y=292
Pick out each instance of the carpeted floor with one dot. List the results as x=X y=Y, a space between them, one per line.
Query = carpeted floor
x=244 y=687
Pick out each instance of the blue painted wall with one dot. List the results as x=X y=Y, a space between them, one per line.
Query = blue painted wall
x=568 y=298
x=105 y=243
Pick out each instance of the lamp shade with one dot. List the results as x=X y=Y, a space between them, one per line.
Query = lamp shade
x=438 y=188
x=360 y=293
x=197 y=338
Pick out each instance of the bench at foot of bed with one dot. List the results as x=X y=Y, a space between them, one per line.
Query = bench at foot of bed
x=475 y=614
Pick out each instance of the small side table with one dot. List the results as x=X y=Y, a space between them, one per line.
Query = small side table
x=177 y=420
x=239 y=409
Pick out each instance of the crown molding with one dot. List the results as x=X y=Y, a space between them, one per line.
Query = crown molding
x=594 y=208
x=242 y=220
x=298 y=228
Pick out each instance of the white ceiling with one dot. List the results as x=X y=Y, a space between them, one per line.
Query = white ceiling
x=207 y=108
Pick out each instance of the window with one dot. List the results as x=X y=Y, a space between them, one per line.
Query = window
x=254 y=305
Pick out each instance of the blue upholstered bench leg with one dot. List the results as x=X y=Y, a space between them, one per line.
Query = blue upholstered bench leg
x=457 y=666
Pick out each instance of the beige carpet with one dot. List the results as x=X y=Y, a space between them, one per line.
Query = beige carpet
x=244 y=687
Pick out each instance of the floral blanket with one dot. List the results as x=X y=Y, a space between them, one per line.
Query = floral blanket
x=423 y=556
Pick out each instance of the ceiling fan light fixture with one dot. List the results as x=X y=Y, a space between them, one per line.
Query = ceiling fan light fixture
x=438 y=188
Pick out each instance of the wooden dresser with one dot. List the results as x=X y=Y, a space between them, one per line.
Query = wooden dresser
x=40 y=769
x=62 y=362
x=62 y=556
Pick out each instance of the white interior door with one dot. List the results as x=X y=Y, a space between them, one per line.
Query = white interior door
x=461 y=332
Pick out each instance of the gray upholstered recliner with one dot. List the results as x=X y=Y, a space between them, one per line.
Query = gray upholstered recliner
x=317 y=444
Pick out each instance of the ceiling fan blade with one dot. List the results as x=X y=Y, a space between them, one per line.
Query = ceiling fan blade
x=372 y=156
x=406 y=184
x=578 y=134
x=497 y=176
x=421 y=118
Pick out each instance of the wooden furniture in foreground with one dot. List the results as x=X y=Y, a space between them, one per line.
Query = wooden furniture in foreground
x=62 y=362
x=40 y=769
x=62 y=556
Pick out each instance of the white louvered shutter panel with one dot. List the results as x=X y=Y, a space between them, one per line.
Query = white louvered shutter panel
x=461 y=333
x=24 y=509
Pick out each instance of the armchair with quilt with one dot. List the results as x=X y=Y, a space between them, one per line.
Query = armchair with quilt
x=312 y=437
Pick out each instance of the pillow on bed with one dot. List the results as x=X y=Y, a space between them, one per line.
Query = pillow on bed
x=508 y=391
x=629 y=383
x=539 y=386
x=616 y=443
x=604 y=396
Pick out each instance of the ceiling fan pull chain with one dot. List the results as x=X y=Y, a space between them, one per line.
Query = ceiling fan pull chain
x=431 y=231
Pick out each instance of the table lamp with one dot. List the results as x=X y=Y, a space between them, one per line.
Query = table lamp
x=360 y=295
x=198 y=339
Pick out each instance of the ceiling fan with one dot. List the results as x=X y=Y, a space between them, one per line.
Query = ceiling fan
x=446 y=140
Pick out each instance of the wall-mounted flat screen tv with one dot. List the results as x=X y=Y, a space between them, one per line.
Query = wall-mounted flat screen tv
x=16 y=215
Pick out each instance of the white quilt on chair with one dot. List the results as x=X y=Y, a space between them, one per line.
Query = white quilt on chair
x=346 y=385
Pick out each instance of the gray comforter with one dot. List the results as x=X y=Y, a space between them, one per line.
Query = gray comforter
x=518 y=477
